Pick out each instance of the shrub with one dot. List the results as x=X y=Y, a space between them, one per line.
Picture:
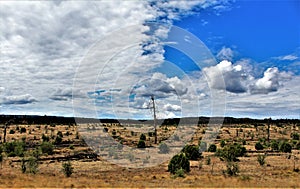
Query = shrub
x=45 y=138
x=141 y=144
x=261 y=159
x=59 y=133
x=67 y=169
x=295 y=136
x=231 y=169
x=285 y=147
x=15 y=148
x=208 y=161
x=274 y=145
x=23 y=130
x=32 y=165
x=231 y=152
x=179 y=161
x=71 y=146
x=259 y=146
x=192 y=152
x=212 y=148
x=47 y=148
x=223 y=143
x=164 y=148
x=58 y=139
x=11 y=132
x=179 y=173
x=143 y=137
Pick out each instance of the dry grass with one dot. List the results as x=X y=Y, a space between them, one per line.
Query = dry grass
x=277 y=172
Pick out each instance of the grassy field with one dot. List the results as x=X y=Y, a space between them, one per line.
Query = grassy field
x=280 y=169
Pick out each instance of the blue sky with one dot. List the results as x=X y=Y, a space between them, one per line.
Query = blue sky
x=106 y=58
x=258 y=30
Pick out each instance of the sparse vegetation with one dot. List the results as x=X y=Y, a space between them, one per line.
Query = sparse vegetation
x=47 y=148
x=261 y=159
x=67 y=169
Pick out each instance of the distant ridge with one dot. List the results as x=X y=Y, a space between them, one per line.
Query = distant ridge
x=35 y=119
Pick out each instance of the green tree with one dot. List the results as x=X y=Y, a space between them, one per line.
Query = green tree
x=179 y=161
x=212 y=148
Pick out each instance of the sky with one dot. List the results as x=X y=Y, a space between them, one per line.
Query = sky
x=105 y=59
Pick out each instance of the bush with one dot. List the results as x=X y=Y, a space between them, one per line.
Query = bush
x=192 y=152
x=141 y=144
x=295 y=136
x=274 y=145
x=232 y=169
x=143 y=137
x=179 y=161
x=231 y=152
x=67 y=169
x=32 y=164
x=164 y=148
x=259 y=146
x=179 y=173
x=223 y=143
x=59 y=133
x=11 y=131
x=23 y=130
x=45 y=138
x=47 y=148
x=15 y=148
x=261 y=159
x=58 y=139
x=212 y=148
x=285 y=147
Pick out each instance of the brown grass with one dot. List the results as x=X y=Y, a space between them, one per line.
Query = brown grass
x=278 y=171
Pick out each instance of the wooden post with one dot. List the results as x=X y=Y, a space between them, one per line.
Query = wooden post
x=154 y=120
x=269 y=129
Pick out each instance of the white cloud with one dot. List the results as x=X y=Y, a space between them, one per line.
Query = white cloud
x=234 y=77
x=172 y=107
x=270 y=81
x=225 y=53
x=238 y=78
x=289 y=57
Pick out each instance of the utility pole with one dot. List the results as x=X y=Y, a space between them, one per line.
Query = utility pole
x=154 y=119
x=269 y=120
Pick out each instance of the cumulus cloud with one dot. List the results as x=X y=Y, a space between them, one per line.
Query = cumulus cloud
x=19 y=99
x=234 y=77
x=172 y=107
x=270 y=81
x=238 y=78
